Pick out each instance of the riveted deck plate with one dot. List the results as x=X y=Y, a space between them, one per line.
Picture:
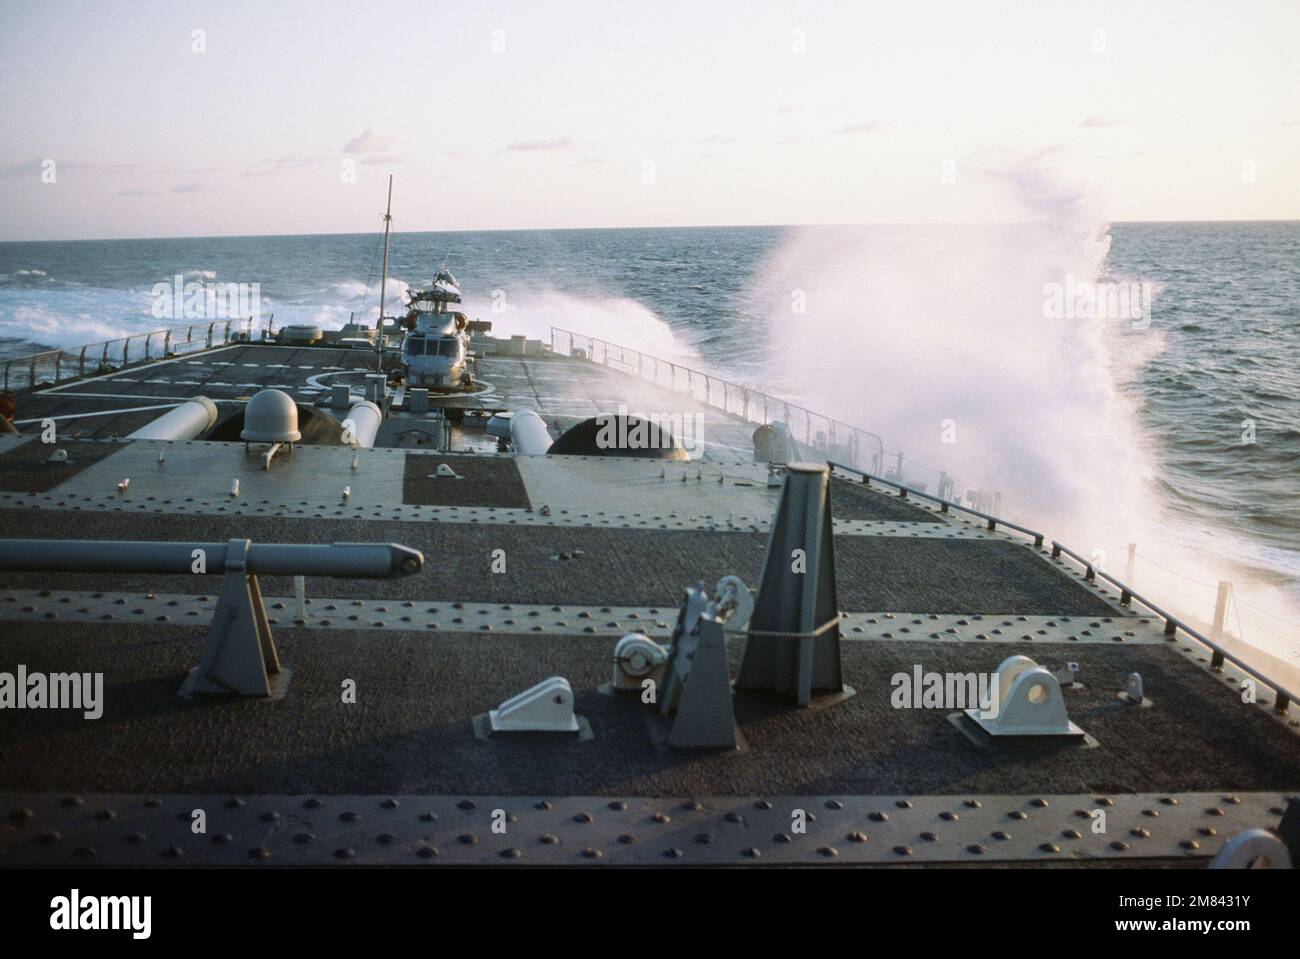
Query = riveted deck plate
x=477 y=481
x=415 y=830
x=25 y=466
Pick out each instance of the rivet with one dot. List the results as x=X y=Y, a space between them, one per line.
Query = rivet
x=385 y=839
x=233 y=803
x=1040 y=803
x=692 y=805
x=972 y=803
x=304 y=838
x=582 y=817
x=271 y=816
x=930 y=837
x=345 y=853
x=549 y=839
x=542 y=805
x=426 y=852
x=467 y=839
x=750 y=852
x=834 y=804
x=827 y=851
x=704 y=838
x=857 y=836
x=259 y=853
x=734 y=817
x=950 y=816
x=1139 y=832
x=903 y=850
x=877 y=816
x=1190 y=844
x=389 y=804
x=173 y=852
x=1119 y=845
x=591 y=853
x=466 y=804
x=627 y=839
x=1002 y=835
x=222 y=838
x=1019 y=814
x=618 y=805
x=1049 y=847
x=782 y=838
x=976 y=849
x=510 y=853
x=349 y=816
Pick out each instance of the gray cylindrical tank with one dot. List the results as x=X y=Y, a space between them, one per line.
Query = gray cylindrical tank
x=191 y=419
x=365 y=418
x=528 y=433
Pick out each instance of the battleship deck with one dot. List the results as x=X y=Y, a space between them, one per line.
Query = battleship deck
x=594 y=547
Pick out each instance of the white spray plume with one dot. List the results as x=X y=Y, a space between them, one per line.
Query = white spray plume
x=930 y=334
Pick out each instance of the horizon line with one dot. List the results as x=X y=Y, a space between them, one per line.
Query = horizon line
x=574 y=229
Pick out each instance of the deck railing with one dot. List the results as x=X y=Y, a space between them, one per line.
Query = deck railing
x=826 y=435
x=1284 y=696
x=991 y=522
x=52 y=367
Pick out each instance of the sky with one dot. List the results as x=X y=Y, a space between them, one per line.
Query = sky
x=141 y=119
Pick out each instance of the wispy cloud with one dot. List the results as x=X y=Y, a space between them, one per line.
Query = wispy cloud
x=1099 y=121
x=273 y=165
x=868 y=126
x=34 y=168
x=187 y=188
x=521 y=146
x=367 y=142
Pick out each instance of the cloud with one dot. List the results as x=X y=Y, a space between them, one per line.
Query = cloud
x=367 y=142
x=35 y=167
x=1099 y=121
x=522 y=146
x=135 y=193
x=869 y=126
x=187 y=188
x=789 y=108
x=273 y=165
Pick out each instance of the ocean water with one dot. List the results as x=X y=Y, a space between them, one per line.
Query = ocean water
x=1178 y=431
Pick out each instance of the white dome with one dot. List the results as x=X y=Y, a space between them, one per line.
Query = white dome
x=271 y=417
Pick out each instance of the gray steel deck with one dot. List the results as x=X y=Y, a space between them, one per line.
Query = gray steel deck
x=594 y=547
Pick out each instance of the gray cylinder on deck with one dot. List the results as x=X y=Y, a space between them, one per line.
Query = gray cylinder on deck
x=191 y=419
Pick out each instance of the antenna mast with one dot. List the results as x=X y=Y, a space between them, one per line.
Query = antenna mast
x=383 y=283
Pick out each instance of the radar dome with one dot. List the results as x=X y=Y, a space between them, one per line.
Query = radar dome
x=271 y=417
